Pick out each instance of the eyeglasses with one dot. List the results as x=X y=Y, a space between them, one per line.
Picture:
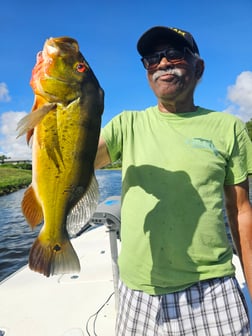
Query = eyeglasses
x=150 y=62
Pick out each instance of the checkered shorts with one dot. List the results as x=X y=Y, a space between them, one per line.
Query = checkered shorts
x=214 y=307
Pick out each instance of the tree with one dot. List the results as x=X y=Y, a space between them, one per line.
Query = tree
x=2 y=158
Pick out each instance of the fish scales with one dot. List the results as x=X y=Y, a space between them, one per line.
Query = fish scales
x=65 y=123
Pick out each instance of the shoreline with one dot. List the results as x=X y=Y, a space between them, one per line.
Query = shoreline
x=13 y=179
x=11 y=189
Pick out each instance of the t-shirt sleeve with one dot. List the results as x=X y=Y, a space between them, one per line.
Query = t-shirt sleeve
x=113 y=136
x=240 y=161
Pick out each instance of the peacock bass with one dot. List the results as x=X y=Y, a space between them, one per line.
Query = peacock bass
x=64 y=127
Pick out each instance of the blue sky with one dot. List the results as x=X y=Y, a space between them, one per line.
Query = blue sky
x=107 y=32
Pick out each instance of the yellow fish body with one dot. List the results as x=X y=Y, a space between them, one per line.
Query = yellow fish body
x=65 y=124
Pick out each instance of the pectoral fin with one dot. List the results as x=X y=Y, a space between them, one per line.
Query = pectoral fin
x=31 y=208
x=27 y=124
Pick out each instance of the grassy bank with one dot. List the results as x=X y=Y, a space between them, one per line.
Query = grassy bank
x=15 y=177
x=12 y=179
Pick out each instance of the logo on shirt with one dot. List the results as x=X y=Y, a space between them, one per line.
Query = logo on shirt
x=203 y=143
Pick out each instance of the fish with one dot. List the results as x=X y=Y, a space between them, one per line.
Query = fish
x=63 y=129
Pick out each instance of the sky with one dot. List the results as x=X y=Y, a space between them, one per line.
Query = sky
x=107 y=32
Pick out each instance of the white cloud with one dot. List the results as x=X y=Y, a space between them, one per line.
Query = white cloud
x=240 y=96
x=10 y=145
x=4 y=93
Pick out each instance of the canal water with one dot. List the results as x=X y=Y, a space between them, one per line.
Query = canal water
x=16 y=237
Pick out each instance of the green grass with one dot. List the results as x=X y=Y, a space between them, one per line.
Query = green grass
x=12 y=179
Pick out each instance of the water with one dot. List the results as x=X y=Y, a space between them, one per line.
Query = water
x=16 y=237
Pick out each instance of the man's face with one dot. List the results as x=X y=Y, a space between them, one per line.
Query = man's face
x=173 y=79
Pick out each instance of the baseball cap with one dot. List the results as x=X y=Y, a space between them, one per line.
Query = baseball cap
x=175 y=36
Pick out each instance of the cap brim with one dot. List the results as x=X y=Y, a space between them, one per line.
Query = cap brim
x=153 y=36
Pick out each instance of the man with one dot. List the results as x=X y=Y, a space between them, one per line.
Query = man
x=178 y=160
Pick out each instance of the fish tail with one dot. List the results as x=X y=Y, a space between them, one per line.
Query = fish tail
x=53 y=258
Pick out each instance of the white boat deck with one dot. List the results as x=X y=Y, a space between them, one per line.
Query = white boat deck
x=33 y=305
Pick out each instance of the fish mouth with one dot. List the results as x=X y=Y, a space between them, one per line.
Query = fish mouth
x=55 y=46
x=49 y=77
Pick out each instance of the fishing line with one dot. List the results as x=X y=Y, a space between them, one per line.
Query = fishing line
x=95 y=316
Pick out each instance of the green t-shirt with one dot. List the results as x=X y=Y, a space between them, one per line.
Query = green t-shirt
x=174 y=167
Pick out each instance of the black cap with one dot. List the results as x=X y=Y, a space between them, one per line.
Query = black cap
x=175 y=36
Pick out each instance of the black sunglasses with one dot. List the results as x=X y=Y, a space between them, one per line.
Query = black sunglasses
x=150 y=62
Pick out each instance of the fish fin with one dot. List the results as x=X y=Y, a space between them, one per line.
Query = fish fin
x=27 y=123
x=31 y=207
x=83 y=210
x=53 y=258
x=29 y=135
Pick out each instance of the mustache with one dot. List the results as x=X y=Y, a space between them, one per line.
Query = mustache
x=173 y=71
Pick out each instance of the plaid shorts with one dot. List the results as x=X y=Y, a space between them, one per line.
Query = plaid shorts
x=214 y=307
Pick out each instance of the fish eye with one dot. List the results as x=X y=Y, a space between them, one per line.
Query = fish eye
x=81 y=67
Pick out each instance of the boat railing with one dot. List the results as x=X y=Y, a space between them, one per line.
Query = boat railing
x=108 y=213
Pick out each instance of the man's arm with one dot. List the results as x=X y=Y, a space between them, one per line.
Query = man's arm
x=102 y=156
x=239 y=212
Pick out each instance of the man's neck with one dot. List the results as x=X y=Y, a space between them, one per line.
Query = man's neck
x=176 y=107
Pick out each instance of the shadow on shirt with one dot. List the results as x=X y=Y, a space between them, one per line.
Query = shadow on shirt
x=170 y=224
